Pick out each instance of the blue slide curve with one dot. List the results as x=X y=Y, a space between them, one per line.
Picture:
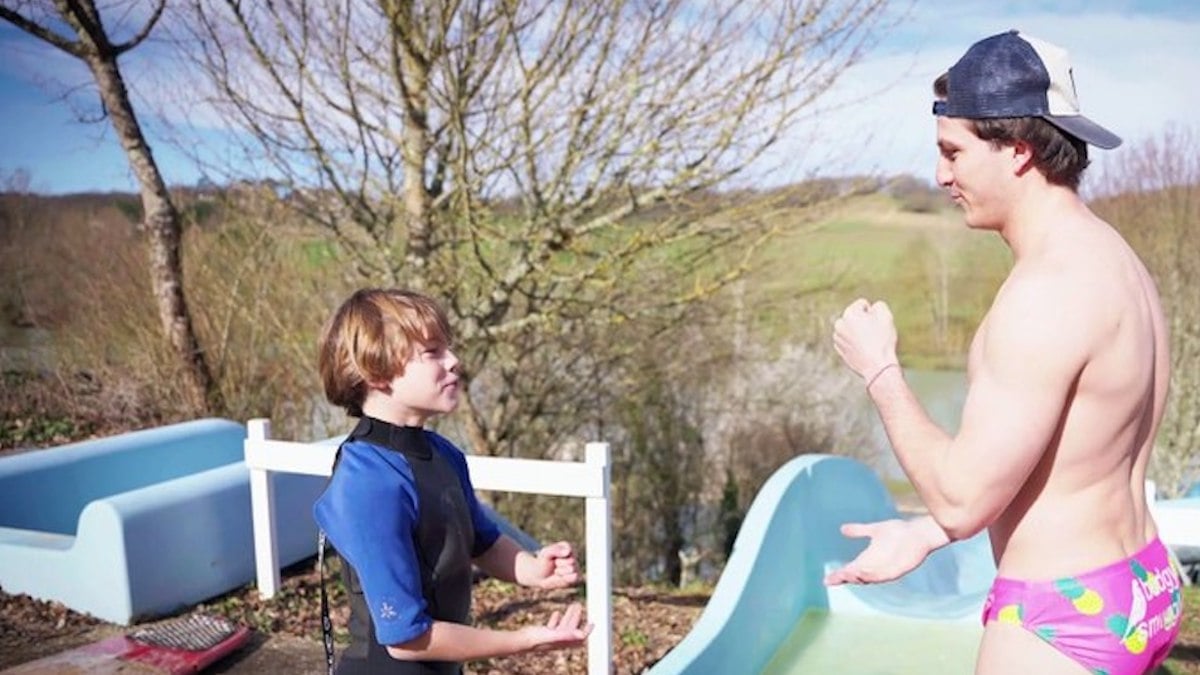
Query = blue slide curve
x=771 y=613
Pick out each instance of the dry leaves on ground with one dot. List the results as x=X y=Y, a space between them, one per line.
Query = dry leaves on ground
x=647 y=622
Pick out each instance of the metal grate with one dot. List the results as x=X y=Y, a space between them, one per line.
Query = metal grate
x=192 y=633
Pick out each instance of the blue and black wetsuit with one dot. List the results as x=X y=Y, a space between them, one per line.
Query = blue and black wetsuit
x=401 y=512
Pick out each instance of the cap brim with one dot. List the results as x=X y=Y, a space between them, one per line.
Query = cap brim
x=1085 y=130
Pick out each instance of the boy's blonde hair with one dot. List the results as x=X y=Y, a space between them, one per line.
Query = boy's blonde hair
x=371 y=337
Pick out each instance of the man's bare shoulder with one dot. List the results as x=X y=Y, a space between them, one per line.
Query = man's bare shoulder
x=1070 y=276
x=1041 y=312
x=1044 y=291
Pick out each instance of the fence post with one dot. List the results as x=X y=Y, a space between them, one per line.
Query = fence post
x=597 y=523
x=262 y=509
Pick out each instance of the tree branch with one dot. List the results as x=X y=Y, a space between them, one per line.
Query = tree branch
x=42 y=33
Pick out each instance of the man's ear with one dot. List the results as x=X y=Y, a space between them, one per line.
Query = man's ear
x=1022 y=157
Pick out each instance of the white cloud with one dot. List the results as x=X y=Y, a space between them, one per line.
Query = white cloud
x=1135 y=74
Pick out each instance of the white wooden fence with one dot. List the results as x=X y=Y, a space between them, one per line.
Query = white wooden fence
x=588 y=479
x=1178 y=522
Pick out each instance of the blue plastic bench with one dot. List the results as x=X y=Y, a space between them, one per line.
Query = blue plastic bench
x=141 y=524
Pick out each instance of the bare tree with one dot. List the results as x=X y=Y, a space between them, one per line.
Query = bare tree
x=1153 y=197
x=92 y=44
x=547 y=167
x=932 y=259
x=659 y=475
x=711 y=427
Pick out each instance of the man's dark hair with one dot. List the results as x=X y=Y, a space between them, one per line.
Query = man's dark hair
x=1060 y=156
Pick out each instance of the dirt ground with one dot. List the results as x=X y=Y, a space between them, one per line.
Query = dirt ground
x=263 y=653
x=647 y=623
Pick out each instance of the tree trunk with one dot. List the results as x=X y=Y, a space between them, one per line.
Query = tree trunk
x=161 y=220
x=162 y=223
x=412 y=73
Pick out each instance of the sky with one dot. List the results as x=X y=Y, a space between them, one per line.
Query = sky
x=1135 y=67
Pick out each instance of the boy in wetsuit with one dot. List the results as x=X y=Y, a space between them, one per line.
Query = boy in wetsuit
x=1067 y=381
x=400 y=509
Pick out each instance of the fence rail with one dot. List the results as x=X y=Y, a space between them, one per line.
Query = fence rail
x=588 y=480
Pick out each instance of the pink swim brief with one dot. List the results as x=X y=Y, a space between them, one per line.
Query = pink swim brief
x=1120 y=619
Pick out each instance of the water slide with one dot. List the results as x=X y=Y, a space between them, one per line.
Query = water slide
x=771 y=613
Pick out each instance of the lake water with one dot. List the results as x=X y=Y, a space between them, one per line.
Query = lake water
x=942 y=392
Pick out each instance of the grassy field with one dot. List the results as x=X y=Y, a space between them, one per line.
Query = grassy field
x=937 y=276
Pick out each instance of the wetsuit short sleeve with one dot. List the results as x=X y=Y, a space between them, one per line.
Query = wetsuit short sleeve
x=369 y=512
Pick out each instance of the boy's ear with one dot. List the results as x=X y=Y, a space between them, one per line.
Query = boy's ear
x=383 y=387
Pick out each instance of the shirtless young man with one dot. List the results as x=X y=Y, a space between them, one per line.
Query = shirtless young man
x=1067 y=379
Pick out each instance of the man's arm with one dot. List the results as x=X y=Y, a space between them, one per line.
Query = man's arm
x=1032 y=349
x=896 y=547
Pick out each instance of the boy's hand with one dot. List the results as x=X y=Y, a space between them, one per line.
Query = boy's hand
x=565 y=631
x=554 y=566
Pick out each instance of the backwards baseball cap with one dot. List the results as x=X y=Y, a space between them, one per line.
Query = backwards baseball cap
x=1016 y=75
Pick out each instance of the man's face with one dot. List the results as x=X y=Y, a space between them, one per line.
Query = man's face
x=975 y=173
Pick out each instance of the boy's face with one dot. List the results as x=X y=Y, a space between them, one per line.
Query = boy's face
x=428 y=387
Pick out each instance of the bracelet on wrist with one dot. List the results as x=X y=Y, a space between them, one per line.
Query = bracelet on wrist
x=879 y=372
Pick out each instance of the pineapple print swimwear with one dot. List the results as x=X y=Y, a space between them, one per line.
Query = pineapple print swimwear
x=1120 y=619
